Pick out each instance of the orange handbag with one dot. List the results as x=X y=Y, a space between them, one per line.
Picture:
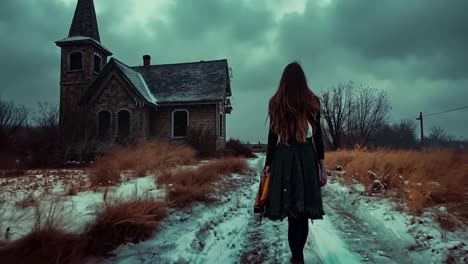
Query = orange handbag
x=262 y=194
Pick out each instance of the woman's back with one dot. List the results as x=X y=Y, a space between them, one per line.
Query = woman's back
x=293 y=158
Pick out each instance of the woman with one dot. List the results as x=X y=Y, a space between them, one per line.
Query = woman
x=294 y=160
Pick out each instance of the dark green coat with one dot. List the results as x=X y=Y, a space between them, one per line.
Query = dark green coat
x=295 y=183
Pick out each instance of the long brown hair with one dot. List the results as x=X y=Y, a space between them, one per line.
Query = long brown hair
x=293 y=105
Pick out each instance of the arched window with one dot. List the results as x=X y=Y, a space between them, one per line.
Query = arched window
x=104 y=123
x=221 y=130
x=123 y=123
x=76 y=61
x=97 y=63
x=180 y=121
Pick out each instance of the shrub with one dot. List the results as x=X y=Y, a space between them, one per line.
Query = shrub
x=124 y=220
x=236 y=148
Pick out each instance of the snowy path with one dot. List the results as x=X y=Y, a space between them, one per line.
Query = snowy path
x=228 y=232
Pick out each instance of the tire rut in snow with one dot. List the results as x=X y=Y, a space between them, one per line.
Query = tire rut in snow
x=266 y=242
x=203 y=234
x=373 y=245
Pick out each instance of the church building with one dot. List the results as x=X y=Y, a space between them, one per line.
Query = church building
x=141 y=102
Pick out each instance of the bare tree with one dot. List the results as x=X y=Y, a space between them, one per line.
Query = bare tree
x=396 y=136
x=368 y=112
x=46 y=116
x=11 y=117
x=438 y=134
x=335 y=105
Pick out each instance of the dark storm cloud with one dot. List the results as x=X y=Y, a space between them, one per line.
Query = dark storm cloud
x=427 y=37
x=431 y=32
x=29 y=59
x=413 y=49
x=234 y=20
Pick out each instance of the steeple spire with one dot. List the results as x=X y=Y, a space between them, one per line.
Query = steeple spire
x=84 y=22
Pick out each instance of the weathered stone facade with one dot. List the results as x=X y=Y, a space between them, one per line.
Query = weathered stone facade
x=200 y=115
x=145 y=96
x=115 y=95
x=74 y=83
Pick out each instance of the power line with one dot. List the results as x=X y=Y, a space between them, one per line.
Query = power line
x=446 y=111
x=442 y=112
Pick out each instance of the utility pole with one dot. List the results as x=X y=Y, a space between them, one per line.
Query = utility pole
x=420 y=118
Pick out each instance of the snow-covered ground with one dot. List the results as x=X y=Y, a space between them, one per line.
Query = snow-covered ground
x=23 y=199
x=356 y=228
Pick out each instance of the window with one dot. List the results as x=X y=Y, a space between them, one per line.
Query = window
x=104 y=123
x=97 y=63
x=221 y=125
x=123 y=123
x=76 y=61
x=180 y=123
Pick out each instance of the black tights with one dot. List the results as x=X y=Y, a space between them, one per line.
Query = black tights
x=297 y=236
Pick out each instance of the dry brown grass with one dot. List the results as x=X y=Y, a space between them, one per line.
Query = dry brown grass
x=124 y=220
x=48 y=242
x=105 y=172
x=432 y=176
x=186 y=186
x=143 y=159
x=27 y=201
x=118 y=221
x=46 y=246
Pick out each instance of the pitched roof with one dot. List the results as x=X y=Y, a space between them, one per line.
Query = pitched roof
x=136 y=79
x=187 y=82
x=172 y=83
x=84 y=22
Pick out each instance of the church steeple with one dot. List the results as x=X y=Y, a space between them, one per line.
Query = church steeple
x=84 y=22
x=82 y=59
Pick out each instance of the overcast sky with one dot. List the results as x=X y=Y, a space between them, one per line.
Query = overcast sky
x=416 y=50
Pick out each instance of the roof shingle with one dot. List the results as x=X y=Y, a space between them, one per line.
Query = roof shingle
x=187 y=82
x=136 y=79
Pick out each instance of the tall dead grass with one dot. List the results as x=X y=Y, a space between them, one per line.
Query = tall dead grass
x=143 y=159
x=120 y=221
x=425 y=178
x=48 y=241
x=189 y=185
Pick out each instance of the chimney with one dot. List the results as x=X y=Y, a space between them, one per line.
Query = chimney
x=146 y=60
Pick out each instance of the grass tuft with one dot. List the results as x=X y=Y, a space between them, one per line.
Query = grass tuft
x=142 y=160
x=186 y=186
x=123 y=221
x=48 y=245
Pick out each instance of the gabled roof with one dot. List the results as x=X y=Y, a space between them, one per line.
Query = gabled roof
x=205 y=81
x=133 y=78
x=187 y=82
x=84 y=22
x=136 y=79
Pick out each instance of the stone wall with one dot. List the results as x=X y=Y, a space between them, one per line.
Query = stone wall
x=206 y=115
x=73 y=84
x=114 y=96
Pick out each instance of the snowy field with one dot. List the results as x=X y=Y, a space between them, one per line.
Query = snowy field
x=356 y=228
